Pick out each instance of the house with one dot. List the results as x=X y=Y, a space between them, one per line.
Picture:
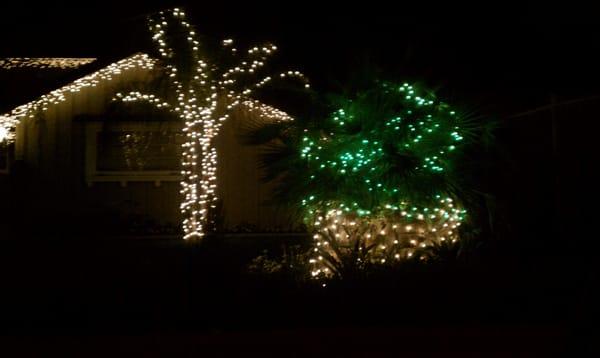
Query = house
x=75 y=161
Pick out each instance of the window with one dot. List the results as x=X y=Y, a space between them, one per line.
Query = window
x=133 y=151
x=138 y=151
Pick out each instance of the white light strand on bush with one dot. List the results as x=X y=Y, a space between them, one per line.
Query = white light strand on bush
x=44 y=62
x=203 y=102
x=9 y=120
x=382 y=240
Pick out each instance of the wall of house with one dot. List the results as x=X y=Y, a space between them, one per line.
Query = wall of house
x=244 y=196
x=52 y=191
x=49 y=164
x=5 y=186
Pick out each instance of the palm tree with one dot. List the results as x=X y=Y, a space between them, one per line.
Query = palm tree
x=378 y=179
x=202 y=92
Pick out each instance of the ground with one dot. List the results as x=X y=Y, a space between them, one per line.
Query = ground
x=146 y=298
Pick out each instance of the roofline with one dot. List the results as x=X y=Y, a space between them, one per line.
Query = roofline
x=44 y=62
x=9 y=120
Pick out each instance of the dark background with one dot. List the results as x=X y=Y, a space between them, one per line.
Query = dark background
x=536 y=274
x=506 y=49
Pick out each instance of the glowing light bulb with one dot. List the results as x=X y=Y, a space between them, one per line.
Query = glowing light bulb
x=3 y=134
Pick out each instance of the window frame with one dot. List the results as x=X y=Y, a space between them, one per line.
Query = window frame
x=93 y=175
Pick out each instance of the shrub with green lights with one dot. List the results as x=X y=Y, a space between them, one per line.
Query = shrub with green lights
x=380 y=149
x=380 y=178
x=378 y=181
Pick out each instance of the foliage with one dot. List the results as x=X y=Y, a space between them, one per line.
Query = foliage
x=291 y=265
x=381 y=178
x=386 y=145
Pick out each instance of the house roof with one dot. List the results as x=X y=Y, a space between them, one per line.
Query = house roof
x=44 y=62
x=23 y=79
x=29 y=85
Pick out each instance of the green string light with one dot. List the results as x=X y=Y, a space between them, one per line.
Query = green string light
x=385 y=164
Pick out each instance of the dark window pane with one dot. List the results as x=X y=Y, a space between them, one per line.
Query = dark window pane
x=139 y=151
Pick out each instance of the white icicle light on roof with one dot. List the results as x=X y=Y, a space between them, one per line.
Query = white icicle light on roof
x=44 y=62
x=7 y=125
x=203 y=102
x=4 y=134
x=9 y=120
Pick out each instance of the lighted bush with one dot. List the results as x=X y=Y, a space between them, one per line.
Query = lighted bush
x=377 y=181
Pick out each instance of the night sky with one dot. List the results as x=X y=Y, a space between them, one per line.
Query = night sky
x=500 y=58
